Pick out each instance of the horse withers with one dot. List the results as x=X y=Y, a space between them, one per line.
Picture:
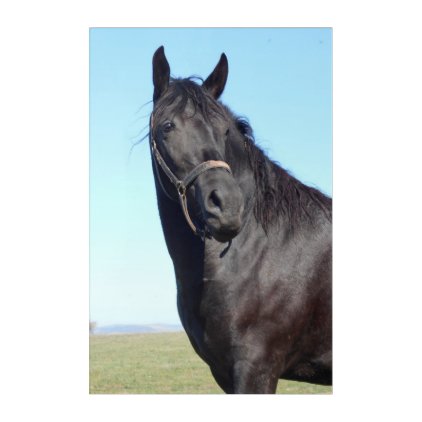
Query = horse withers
x=250 y=244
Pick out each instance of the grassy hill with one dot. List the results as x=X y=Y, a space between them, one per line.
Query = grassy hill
x=159 y=363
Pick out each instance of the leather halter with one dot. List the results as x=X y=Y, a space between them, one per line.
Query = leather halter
x=183 y=185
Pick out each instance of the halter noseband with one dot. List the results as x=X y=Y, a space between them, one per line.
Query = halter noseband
x=183 y=185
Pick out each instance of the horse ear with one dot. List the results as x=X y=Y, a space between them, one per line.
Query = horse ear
x=160 y=73
x=216 y=82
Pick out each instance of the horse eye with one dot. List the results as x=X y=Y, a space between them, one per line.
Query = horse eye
x=168 y=126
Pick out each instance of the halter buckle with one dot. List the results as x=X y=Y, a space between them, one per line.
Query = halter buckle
x=181 y=188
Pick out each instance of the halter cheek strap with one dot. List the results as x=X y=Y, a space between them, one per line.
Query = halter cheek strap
x=183 y=185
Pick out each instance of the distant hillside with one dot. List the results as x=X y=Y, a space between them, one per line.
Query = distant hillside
x=132 y=329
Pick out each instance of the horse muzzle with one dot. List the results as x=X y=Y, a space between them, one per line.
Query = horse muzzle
x=222 y=205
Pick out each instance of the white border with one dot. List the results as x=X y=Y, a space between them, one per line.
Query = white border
x=44 y=217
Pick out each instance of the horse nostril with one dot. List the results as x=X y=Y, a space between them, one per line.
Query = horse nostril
x=214 y=200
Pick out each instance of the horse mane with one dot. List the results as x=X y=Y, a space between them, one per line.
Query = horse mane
x=184 y=90
x=277 y=193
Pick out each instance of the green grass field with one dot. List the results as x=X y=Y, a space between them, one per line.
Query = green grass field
x=162 y=363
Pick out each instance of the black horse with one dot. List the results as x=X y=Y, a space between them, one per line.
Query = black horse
x=250 y=244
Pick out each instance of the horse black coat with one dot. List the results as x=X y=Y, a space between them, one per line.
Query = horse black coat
x=254 y=296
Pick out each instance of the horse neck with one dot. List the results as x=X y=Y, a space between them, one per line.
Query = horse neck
x=184 y=247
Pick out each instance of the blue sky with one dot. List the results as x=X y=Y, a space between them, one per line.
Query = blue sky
x=280 y=79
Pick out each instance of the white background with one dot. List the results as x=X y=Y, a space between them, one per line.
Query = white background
x=44 y=211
